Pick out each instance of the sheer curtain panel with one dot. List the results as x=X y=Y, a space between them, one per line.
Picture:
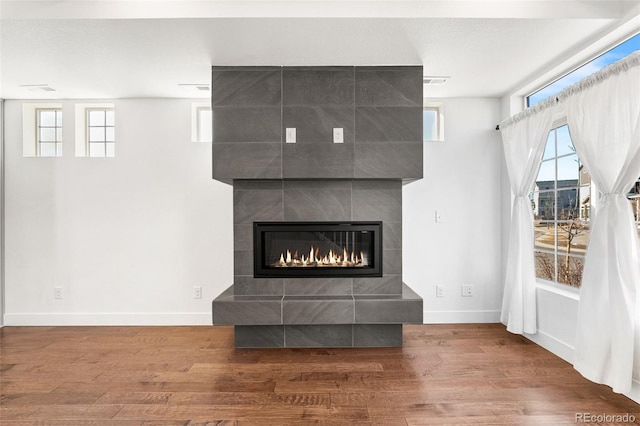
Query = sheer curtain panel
x=603 y=113
x=524 y=137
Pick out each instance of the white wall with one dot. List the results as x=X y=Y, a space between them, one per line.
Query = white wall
x=1 y=212
x=462 y=180
x=126 y=238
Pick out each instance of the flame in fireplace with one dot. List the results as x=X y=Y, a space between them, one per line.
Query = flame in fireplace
x=314 y=259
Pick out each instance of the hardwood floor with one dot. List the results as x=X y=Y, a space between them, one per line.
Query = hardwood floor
x=444 y=374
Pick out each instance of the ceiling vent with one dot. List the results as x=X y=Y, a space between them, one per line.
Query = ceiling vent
x=38 y=87
x=434 y=81
x=195 y=87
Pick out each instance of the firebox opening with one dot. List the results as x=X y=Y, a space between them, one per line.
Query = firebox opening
x=317 y=249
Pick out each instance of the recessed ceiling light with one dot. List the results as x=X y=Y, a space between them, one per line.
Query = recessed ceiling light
x=435 y=81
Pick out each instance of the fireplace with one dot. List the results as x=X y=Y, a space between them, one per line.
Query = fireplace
x=311 y=265
x=317 y=249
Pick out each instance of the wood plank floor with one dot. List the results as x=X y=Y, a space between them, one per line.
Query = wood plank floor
x=444 y=374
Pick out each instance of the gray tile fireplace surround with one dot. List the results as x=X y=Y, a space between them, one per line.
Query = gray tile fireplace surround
x=380 y=110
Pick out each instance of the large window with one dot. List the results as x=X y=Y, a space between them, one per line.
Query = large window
x=49 y=132
x=561 y=202
x=563 y=194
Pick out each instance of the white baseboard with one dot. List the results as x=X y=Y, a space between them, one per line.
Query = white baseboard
x=565 y=351
x=553 y=345
x=460 y=317
x=635 y=391
x=106 y=319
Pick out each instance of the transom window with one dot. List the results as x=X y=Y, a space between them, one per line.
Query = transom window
x=201 y=122
x=49 y=132
x=432 y=122
x=205 y=125
x=561 y=202
x=100 y=132
x=607 y=58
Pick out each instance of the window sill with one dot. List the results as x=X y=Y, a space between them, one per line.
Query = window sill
x=559 y=289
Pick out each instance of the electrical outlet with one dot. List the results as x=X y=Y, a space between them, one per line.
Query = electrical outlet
x=197 y=292
x=467 y=290
x=57 y=292
x=439 y=291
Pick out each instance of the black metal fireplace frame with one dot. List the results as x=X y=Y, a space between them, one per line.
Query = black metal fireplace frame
x=312 y=272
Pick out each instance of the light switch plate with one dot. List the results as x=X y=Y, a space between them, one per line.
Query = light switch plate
x=338 y=135
x=291 y=135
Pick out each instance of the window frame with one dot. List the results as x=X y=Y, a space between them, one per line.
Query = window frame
x=30 y=127
x=82 y=127
x=196 y=109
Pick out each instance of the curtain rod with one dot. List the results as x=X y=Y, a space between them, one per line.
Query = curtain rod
x=498 y=126
x=548 y=102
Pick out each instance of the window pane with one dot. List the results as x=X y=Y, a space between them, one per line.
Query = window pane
x=58 y=134
x=47 y=118
x=96 y=118
x=570 y=270
x=110 y=134
x=429 y=125
x=568 y=170
x=565 y=145
x=48 y=134
x=585 y=202
x=545 y=266
x=96 y=150
x=573 y=237
x=568 y=204
x=47 y=150
x=59 y=118
x=110 y=118
x=96 y=134
x=544 y=205
x=550 y=147
x=58 y=149
x=547 y=173
x=545 y=235
x=111 y=150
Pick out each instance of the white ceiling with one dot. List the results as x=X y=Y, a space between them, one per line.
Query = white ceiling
x=145 y=48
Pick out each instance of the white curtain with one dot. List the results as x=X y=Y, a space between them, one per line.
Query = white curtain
x=603 y=113
x=524 y=137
